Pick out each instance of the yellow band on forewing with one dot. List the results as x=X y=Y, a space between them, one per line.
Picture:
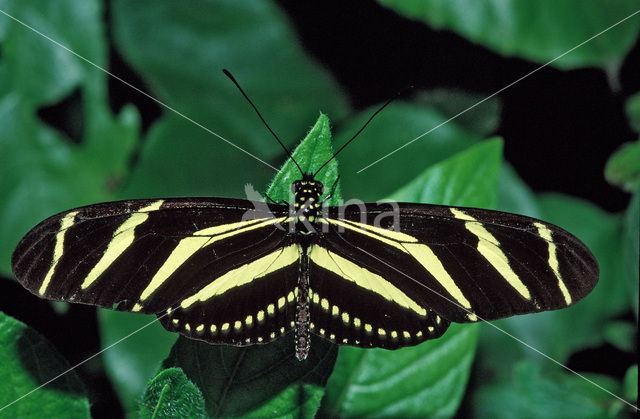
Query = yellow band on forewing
x=188 y=246
x=545 y=233
x=362 y=277
x=489 y=248
x=420 y=252
x=122 y=238
x=392 y=234
x=65 y=223
x=425 y=256
x=224 y=228
x=358 y=228
x=246 y=273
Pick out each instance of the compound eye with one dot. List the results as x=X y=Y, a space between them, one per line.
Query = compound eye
x=320 y=189
x=294 y=187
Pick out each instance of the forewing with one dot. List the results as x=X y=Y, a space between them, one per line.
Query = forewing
x=467 y=264
x=143 y=255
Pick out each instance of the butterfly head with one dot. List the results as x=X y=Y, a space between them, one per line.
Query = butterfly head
x=307 y=185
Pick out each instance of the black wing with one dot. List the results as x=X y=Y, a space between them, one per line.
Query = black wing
x=465 y=264
x=151 y=256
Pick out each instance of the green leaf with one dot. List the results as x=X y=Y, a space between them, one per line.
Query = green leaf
x=623 y=167
x=39 y=70
x=41 y=164
x=468 y=178
x=28 y=361
x=631 y=249
x=428 y=379
x=531 y=393
x=256 y=43
x=179 y=159
x=311 y=154
x=630 y=383
x=242 y=381
x=539 y=30
x=514 y=195
x=133 y=361
x=621 y=335
x=171 y=395
x=632 y=108
x=293 y=402
x=396 y=126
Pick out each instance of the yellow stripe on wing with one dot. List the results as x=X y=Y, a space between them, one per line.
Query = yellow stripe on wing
x=428 y=259
x=244 y=274
x=489 y=248
x=188 y=246
x=545 y=233
x=65 y=223
x=122 y=238
x=362 y=277
x=422 y=253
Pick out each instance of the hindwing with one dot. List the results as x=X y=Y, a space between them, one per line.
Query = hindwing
x=354 y=302
x=251 y=301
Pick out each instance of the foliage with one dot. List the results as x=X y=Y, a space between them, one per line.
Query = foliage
x=533 y=394
x=28 y=361
x=623 y=168
x=178 y=51
x=521 y=28
x=170 y=394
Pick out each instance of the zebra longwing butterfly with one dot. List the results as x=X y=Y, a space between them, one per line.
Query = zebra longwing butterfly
x=242 y=272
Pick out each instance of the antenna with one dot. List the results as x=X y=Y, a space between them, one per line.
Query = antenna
x=362 y=129
x=228 y=74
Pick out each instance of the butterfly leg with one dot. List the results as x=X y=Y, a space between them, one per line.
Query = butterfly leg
x=333 y=190
x=281 y=202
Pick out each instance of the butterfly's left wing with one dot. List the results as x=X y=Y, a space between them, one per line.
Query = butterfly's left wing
x=224 y=265
x=463 y=264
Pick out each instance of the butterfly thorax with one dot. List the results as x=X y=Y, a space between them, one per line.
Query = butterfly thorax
x=307 y=204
